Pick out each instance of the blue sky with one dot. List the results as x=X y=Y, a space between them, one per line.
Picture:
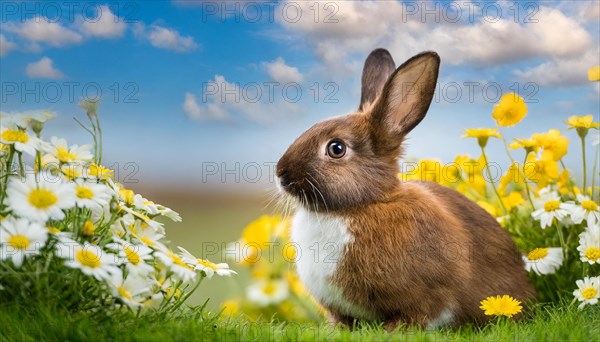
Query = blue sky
x=153 y=60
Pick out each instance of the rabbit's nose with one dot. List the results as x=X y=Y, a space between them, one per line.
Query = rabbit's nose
x=284 y=179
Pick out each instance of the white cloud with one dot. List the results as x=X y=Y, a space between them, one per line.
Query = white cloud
x=209 y=112
x=165 y=38
x=38 y=30
x=105 y=25
x=223 y=99
x=362 y=26
x=5 y=46
x=280 y=72
x=43 y=68
x=561 y=72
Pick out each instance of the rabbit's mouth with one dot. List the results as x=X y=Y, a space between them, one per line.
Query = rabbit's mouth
x=306 y=192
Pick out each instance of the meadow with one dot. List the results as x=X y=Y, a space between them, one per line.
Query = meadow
x=220 y=222
x=85 y=257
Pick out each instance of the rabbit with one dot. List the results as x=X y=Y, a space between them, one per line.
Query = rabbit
x=374 y=248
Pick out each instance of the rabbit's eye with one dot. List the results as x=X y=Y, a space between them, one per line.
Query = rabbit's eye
x=336 y=149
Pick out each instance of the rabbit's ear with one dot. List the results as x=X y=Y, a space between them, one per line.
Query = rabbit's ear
x=405 y=98
x=379 y=65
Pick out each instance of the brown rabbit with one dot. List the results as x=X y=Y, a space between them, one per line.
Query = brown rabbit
x=374 y=248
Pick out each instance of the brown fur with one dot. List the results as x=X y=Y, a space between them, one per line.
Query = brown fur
x=419 y=248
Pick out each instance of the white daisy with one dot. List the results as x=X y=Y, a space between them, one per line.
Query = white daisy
x=121 y=226
x=544 y=260
x=39 y=115
x=40 y=200
x=589 y=244
x=133 y=256
x=133 y=291
x=551 y=208
x=155 y=209
x=19 y=138
x=267 y=292
x=157 y=226
x=588 y=291
x=71 y=172
x=20 y=238
x=205 y=266
x=91 y=195
x=24 y=119
x=154 y=301
x=58 y=151
x=180 y=269
x=168 y=212
x=146 y=235
x=586 y=210
x=90 y=259
x=544 y=195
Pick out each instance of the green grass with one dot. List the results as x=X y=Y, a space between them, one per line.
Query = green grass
x=19 y=323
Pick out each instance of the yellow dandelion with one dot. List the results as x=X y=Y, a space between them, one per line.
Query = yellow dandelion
x=528 y=144
x=501 y=306
x=552 y=142
x=594 y=73
x=230 y=307
x=510 y=110
x=481 y=134
x=586 y=121
x=491 y=209
x=514 y=199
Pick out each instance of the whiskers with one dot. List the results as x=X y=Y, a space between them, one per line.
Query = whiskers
x=283 y=202
x=309 y=197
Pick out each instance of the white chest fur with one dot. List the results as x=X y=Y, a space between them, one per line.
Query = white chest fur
x=322 y=240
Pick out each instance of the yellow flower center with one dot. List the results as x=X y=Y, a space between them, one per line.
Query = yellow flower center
x=42 y=198
x=593 y=253
x=64 y=155
x=147 y=241
x=207 y=264
x=88 y=258
x=18 y=241
x=15 y=135
x=71 y=172
x=132 y=256
x=589 y=205
x=177 y=260
x=124 y=293
x=269 y=288
x=84 y=193
x=88 y=228
x=551 y=205
x=53 y=230
x=100 y=171
x=537 y=254
x=589 y=293
x=127 y=196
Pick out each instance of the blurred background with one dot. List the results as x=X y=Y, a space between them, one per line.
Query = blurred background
x=200 y=98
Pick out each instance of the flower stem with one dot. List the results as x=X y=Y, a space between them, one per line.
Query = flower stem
x=11 y=154
x=21 y=166
x=522 y=174
x=99 y=134
x=562 y=241
x=186 y=296
x=584 y=164
x=489 y=173
x=594 y=168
